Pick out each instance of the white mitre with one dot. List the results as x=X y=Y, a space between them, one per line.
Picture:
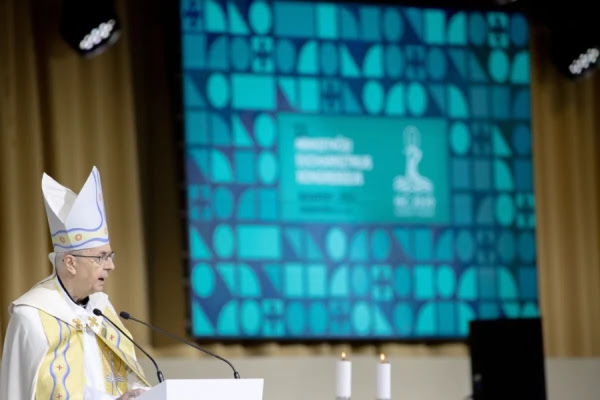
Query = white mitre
x=76 y=221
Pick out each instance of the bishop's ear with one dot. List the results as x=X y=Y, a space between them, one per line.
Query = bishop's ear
x=69 y=262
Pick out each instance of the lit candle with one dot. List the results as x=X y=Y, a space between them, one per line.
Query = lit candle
x=384 y=389
x=343 y=383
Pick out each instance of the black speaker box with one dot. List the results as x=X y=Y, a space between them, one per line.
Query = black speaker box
x=507 y=359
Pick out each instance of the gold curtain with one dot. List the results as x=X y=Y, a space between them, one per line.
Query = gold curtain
x=21 y=158
x=61 y=114
x=566 y=136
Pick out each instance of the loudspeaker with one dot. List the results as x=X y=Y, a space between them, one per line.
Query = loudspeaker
x=507 y=359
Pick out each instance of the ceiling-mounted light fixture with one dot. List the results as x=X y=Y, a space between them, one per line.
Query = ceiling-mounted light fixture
x=89 y=26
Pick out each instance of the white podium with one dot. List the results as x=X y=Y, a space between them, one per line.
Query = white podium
x=206 y=389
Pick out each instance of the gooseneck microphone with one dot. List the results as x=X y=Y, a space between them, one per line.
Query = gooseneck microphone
x=126 y=315
x=159 y=374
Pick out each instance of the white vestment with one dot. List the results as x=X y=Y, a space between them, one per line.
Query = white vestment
x=26 y=344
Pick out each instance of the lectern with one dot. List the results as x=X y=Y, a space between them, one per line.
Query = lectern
x=206 y=389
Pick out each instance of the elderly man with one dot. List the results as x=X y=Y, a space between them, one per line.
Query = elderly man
x=55 y=347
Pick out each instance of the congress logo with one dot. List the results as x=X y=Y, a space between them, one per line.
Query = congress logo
x=413 y=192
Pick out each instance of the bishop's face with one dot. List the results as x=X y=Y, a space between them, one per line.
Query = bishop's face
x=92 y=268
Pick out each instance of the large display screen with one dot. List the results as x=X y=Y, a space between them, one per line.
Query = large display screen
x=356 y=171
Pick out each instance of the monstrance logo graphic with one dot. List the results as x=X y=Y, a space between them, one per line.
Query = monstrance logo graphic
x=413 y=192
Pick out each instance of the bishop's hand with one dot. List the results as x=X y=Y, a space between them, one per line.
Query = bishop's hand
x=132 y=394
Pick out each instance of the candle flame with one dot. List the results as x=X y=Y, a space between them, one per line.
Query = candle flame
x=382 y=357
x=343 y=355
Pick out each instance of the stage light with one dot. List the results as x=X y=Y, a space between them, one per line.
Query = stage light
x=584 y=62
x=575 y=58
x=90 y=26
x=575 y=41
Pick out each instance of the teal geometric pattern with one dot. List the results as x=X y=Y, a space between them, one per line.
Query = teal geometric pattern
x=256 y=275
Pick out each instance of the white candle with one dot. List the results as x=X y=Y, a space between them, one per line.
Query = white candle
x=343 y=381
x=384 y=387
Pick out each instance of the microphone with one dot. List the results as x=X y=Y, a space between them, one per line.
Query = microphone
x=126 y=315
x=158 y=373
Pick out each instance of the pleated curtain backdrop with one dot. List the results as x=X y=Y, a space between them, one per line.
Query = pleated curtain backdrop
x=566 y=139
x=61 y=114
